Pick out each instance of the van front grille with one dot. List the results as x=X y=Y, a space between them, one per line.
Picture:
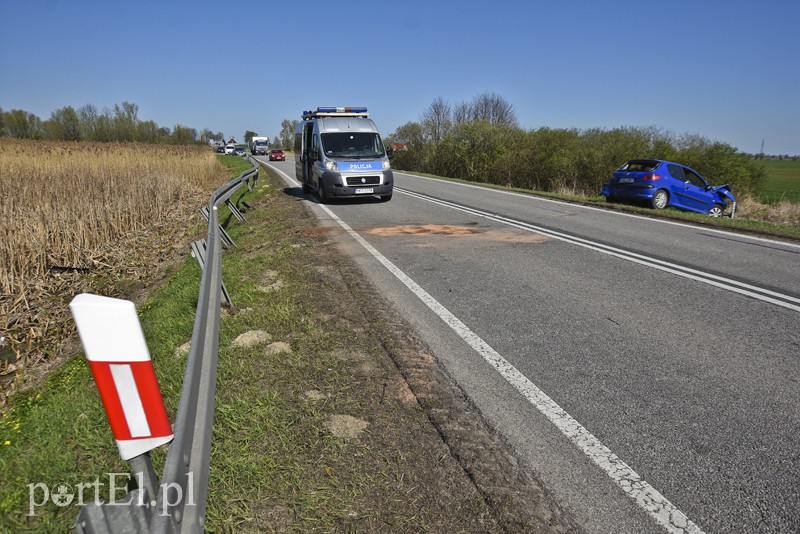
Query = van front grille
x=355 y=181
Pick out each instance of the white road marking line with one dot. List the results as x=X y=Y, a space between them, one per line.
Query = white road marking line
x=648 y=498
x=610 y=212
x=735 y=286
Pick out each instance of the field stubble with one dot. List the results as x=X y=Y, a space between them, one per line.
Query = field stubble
x=80 y=216
x=783 y=212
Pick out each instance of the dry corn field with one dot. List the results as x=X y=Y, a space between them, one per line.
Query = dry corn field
x=74 y=215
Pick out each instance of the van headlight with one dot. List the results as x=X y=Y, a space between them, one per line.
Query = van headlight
x=331 y=165
x=385 y=164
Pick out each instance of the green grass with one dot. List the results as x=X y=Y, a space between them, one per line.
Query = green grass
x=783 y=180
x=236 y=164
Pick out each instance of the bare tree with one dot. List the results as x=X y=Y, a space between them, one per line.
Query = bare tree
x=87 y=116
x=493 y=109
x=206 y=136
x=126 y=118
x=462 y=113
x=488 y=107
x=437 y=120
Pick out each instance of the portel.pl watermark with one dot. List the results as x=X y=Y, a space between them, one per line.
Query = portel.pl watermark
x=63 y=495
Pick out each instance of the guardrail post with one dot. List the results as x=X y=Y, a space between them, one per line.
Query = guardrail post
x=226 y=239
x=133 y=513
x=145 y=475
x=199 y=252
x=234 y=210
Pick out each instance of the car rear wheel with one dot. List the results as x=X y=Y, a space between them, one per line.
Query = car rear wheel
x=660 y=200
x=716 y=210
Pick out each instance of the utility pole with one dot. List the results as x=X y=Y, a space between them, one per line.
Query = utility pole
x=762 y=148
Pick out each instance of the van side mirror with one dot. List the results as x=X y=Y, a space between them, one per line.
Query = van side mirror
x=390 y=153
x=314 y=153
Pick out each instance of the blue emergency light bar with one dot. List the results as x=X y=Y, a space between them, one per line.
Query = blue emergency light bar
x=331 y=111
x=341 y=110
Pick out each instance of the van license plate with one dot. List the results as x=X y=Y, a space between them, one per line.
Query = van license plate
x=364 y=190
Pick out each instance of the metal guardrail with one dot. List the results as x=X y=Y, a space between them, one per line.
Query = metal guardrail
x=180 y=505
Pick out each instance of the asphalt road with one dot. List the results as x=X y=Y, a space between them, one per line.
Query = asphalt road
x=647 y=372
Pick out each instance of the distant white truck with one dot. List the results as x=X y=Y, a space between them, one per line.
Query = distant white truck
x=259 y=145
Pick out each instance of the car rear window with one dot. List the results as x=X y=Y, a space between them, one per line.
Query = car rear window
x=640 y=165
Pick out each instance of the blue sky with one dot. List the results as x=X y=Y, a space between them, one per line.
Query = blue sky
x=725 y=70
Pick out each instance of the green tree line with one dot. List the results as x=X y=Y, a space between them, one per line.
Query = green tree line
x=118 y=124
x=470 y=142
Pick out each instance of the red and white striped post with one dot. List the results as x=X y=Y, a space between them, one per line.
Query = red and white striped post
x=114 y=343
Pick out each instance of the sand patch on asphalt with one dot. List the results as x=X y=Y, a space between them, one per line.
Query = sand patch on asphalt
x=508 y=236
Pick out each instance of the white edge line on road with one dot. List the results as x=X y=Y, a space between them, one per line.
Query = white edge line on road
x=646 y=496
x=633 y=216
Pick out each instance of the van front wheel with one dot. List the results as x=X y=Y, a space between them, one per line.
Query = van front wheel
x=386 y=198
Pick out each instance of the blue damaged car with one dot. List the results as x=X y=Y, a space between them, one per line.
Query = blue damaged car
x=664 y=183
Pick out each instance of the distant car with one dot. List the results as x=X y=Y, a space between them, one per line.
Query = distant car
x=277 y=155
x=664 y=183
x=239 y=151
x=229 y=149
x=221 y=149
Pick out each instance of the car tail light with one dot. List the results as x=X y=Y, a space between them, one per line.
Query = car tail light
x=651 y=177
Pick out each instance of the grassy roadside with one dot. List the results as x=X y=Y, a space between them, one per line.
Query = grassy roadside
x=315 y=429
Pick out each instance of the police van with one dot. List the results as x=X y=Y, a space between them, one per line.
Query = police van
x=339 y=154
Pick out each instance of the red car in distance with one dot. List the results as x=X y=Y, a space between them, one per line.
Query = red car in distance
x=277 y=155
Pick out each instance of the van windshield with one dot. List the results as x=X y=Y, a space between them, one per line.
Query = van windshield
x=352 y=145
